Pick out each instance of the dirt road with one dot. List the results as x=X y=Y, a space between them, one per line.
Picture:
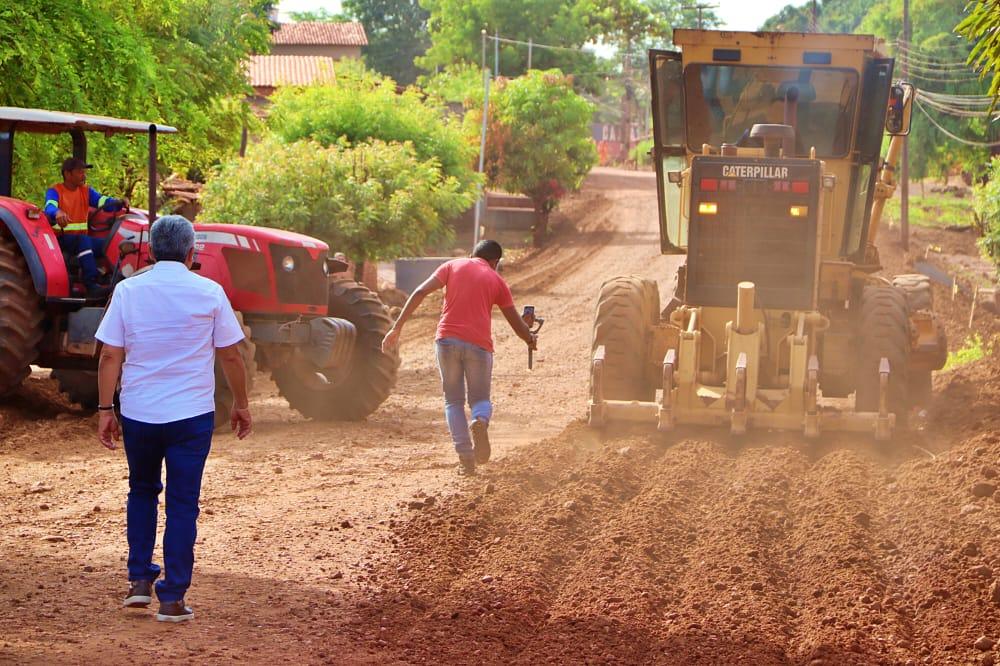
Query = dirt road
x=356 y=543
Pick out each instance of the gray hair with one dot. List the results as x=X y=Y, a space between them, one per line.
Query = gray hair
x=171 y=238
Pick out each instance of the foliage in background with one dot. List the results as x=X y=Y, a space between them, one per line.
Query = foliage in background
x=460 y=83
x=973 y=349
x=177 y=62
x=987 y=203
x=455 y=31
x=538 y=140
x=373 y=200
x=364 y=106
x=397 y=35
x=982 y=26
x=640 y=153
x=933 y=37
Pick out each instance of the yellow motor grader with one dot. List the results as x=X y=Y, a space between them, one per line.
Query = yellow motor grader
x=767 y=151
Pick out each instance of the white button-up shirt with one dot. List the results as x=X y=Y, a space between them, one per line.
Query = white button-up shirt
x=170 y=322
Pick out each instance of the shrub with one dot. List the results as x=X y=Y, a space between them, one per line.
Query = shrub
x=538 y=140
x=640 y=153
x=987 y=205
x=363 y=107
x=372 y=201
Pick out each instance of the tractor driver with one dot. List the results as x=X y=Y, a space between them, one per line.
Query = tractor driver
x=67 y=205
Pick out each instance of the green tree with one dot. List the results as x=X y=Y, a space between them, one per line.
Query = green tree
x=982 y=26
x=321 y=15
x=372 y=201
x=363 y=107
x=397 y=35
x=538 y=140
x=179 y=62
x=455 y=31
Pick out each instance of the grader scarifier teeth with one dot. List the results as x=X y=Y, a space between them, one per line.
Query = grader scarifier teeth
x=738 y=425
x=665 y=422
x=738 y=394
x=883 y=424
x=597 y=407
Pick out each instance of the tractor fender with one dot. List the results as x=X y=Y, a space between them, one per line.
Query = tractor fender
x=40 y=248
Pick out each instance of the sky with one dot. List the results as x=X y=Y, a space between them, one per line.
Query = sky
x=737 y=14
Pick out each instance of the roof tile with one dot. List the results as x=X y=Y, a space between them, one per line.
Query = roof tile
x=320 y=33
x=272 y=71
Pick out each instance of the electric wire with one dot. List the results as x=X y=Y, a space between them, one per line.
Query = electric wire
x=950 y=135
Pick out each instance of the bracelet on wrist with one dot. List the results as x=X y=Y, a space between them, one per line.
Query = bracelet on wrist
x=105 y=408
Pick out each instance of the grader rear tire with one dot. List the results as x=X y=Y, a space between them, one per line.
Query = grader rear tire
x=917 y=288
x=884 y=331
x=358 y=390
x=20 y=317
x=625 y=315
x=223 y=394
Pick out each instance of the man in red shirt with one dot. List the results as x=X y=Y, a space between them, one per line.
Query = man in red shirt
x=465 y=343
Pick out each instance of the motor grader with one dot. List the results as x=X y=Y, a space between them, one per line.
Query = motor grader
x=769 y=178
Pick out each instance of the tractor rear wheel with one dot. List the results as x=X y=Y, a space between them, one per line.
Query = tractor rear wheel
x=625 y=315
x=223 y=394
x=884 y=332
x=20 y=317
x=354 y=392
x=80 y=386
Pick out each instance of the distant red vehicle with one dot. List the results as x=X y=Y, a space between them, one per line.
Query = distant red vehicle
x=319 y=336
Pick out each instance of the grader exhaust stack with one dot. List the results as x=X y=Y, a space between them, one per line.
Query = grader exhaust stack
x=767 y=158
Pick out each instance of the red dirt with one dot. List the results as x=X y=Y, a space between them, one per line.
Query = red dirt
x=320 y=543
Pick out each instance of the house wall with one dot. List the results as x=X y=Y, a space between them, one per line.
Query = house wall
x=331 y=51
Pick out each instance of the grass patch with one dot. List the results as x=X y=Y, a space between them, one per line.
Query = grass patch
x=933 y=210
x=971 y=350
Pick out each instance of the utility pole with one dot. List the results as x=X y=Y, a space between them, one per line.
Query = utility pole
x=481 y=201
x=904 y=192
x=700 y=8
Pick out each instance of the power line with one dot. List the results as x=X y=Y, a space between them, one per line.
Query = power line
x=967 y=142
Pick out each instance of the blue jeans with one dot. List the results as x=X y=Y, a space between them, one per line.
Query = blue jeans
x=464 y=364
x=87 y=251
x=184 y=445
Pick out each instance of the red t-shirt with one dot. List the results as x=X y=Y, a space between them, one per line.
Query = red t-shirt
x=472 y=288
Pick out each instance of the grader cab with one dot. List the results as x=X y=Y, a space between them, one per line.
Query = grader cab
x=767 y=152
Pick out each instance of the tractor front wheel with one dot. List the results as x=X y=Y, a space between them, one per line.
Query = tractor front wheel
x=20 y=317
x=353 y=392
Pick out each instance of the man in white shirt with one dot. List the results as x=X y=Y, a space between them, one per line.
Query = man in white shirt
x=161 y=333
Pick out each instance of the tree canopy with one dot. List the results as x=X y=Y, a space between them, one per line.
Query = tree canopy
x=363 y=107
x=374 y=200
x=397 y=35
x=178 y=62
x=538 y=143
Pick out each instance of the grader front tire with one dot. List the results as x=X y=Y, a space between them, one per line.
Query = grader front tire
x=884 y=332
x=627 y=308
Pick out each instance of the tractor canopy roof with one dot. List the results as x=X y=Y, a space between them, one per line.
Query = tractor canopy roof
x=53 y=122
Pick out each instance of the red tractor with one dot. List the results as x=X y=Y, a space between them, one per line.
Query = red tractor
x=319 y=336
